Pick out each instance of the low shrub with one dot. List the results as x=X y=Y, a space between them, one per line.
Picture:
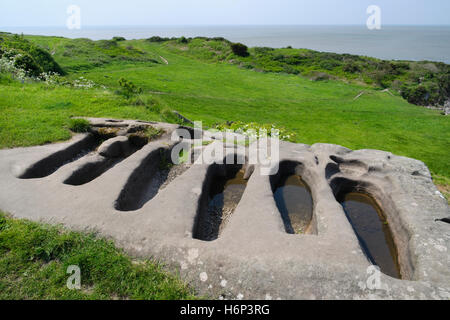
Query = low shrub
x=221 y=39
x=157 y=39
x=118 y=39
x=240 y=49
x=128 y=88
x=329 y=64
x=263 y=50
x=107 y=44
x=319 y=76
x=416 y=95
x=380 y=78
x=183 y=40
x=26 y=62
x=291 y=70
x=351 y=67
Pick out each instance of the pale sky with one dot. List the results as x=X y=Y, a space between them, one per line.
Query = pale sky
x=33 y=13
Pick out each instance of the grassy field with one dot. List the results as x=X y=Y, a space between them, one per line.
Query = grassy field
x=34 y=259
x=215 y=92
x=204 y=83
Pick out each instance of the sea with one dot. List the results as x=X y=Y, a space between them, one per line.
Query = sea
x=430 y=43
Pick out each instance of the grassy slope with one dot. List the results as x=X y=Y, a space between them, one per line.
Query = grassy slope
x=421 y=83
x=217 y=92
x=34 y=114
x=34 y=259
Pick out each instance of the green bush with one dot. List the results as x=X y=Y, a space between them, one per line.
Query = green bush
x=26 y=62
x=157 y=39
x=42 y=58
x=263 y=50
x=118 y=39
x=291 y=70
x=401 y=67
x=351 y=67
x=183 y=40
x=416 y=95
x=46 y=61
x=79 y=125
x=107 y=44
x=379 y=77
x=240 y=49
x=329 y=64
x=444 y=86
x=221 y=39
x=128 y=88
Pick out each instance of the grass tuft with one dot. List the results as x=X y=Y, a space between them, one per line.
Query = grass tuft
x=79 y=125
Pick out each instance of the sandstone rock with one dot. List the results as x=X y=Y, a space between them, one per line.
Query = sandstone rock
x=115 y=147
x=254 y=256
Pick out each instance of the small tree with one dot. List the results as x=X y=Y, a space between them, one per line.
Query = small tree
x=240 y=49
x=26 y=62
x=183 y=40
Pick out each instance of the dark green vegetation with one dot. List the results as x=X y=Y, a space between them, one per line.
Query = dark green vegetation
x=204 y=80
x=239 y=49
x=34 y=260
x=33 y=59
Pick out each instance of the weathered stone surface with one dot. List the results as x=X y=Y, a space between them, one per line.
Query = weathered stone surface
x=115 y=147
x=254 y=257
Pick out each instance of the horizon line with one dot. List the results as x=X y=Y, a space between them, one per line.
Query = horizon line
x=229 y=25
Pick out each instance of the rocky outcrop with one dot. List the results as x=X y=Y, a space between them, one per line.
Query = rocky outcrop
x=253 y=257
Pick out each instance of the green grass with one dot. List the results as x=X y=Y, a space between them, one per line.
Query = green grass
x=422 y=82
x=34 y=114
x=34 y=259
x=443 y=184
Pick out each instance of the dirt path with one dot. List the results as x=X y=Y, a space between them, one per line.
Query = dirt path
x=164 y=60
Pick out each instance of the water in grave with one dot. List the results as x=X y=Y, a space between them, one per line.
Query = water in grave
x=372 y=230
x=294 y=201
x=224 y=196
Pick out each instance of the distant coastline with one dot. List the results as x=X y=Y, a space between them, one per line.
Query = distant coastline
x=415 y=43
